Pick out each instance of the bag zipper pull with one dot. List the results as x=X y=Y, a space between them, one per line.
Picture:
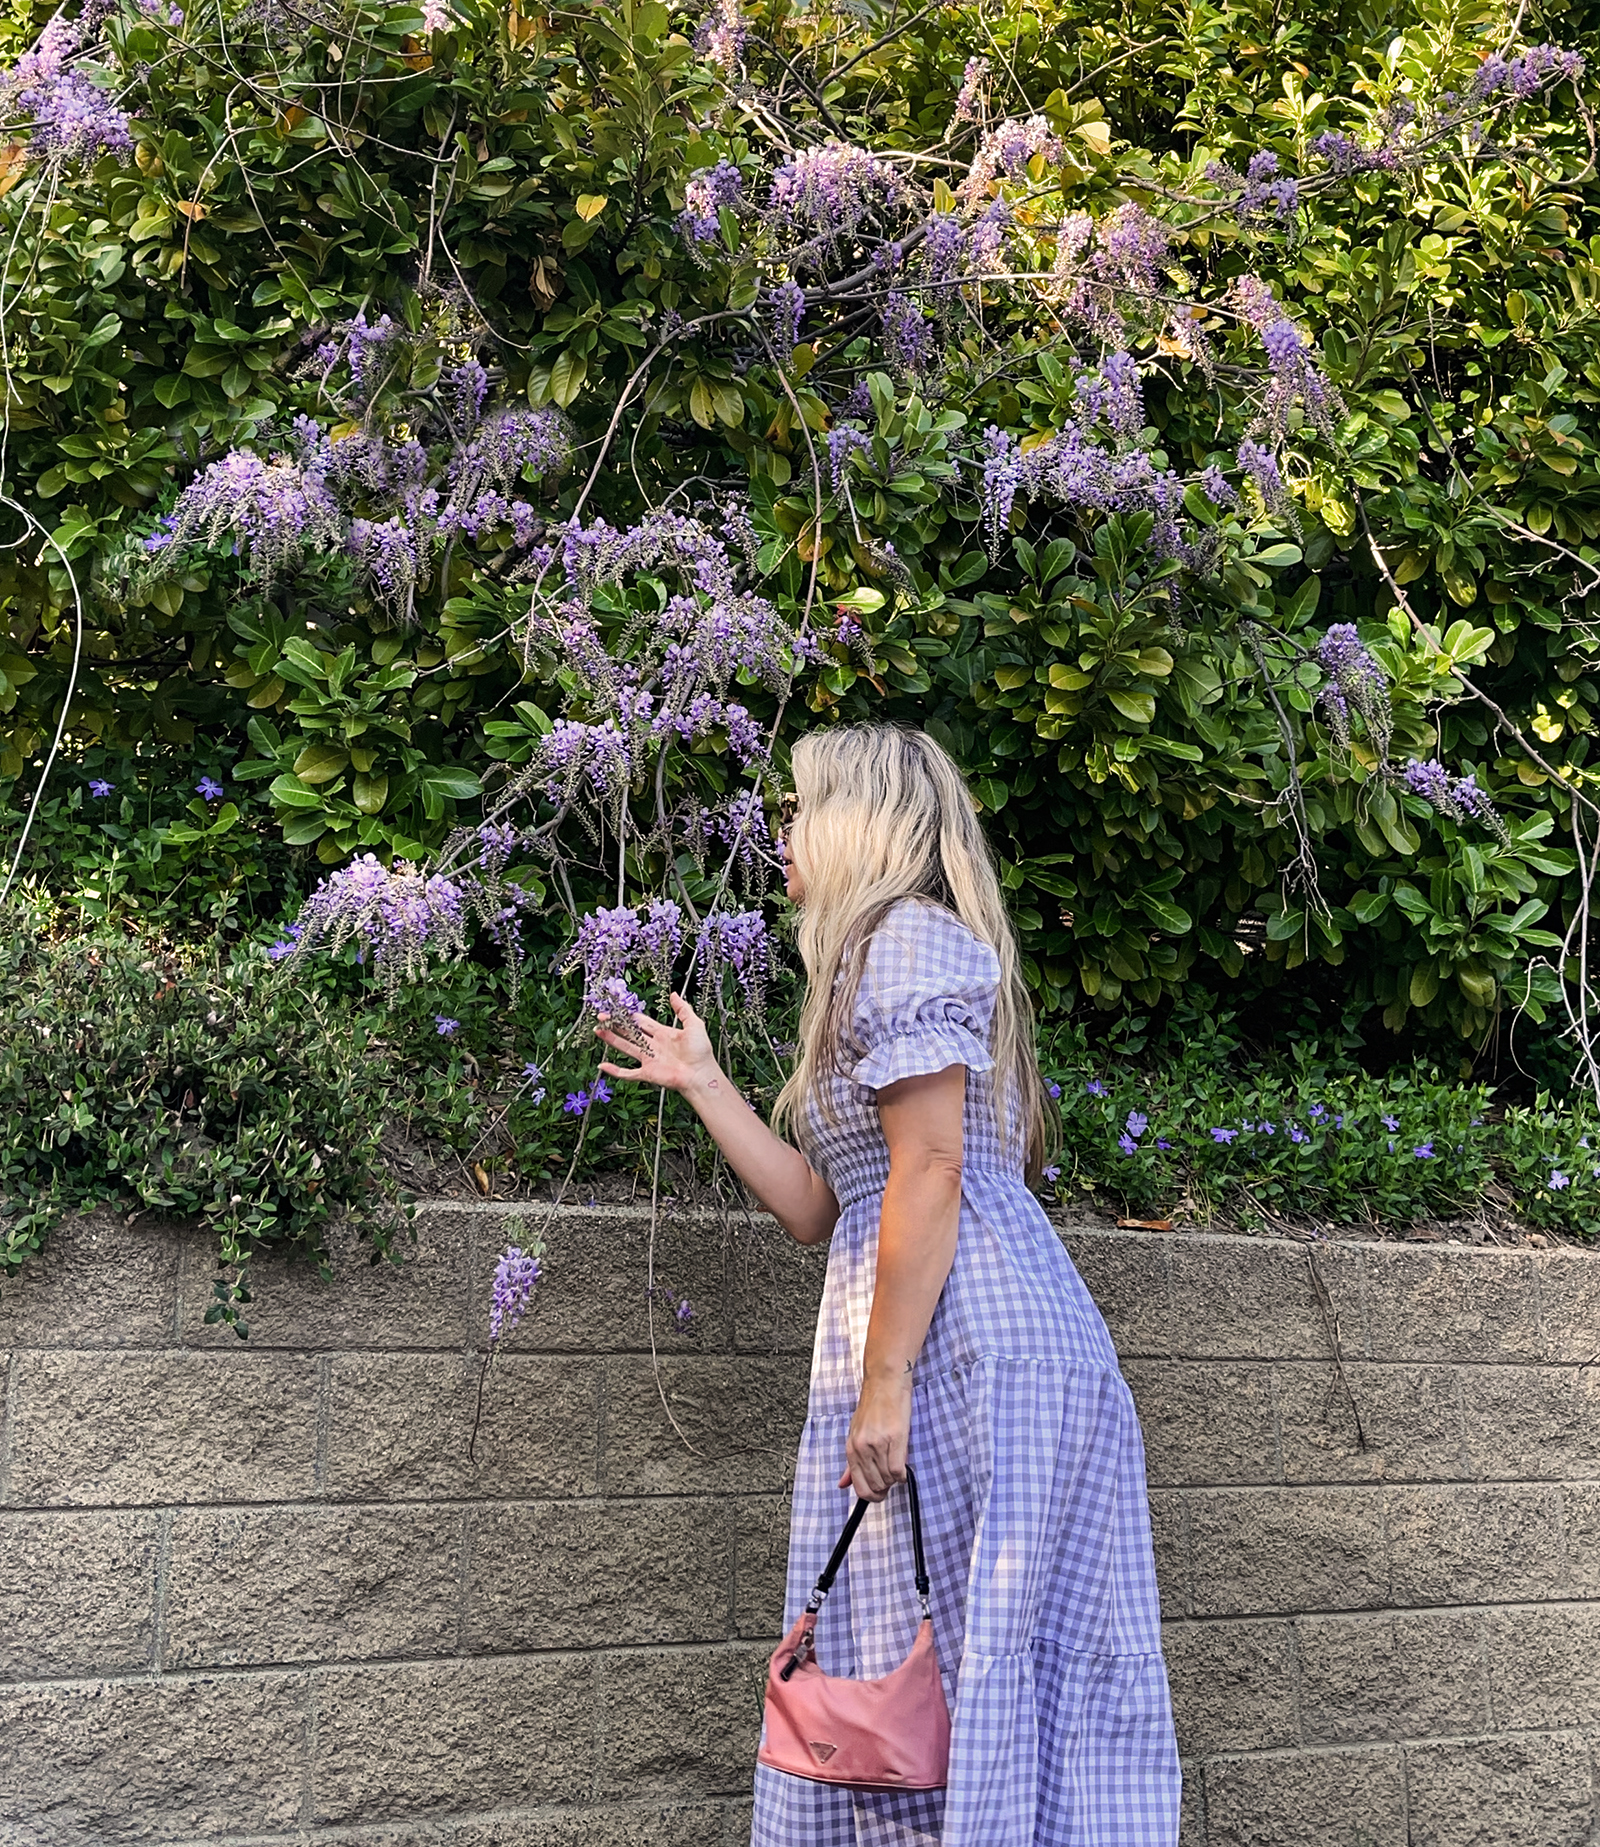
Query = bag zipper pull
x=804 y=1649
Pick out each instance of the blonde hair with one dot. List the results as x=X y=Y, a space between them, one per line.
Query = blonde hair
x=884 y=815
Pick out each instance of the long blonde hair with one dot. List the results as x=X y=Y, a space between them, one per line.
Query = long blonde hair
x=884 y=815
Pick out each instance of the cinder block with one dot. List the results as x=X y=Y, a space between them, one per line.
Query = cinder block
x=1544 y=1667
x=138 y=1760
x=97 y=1283
x=1206 y=1423
x=1533 y=1423
x=400 y=1426
x=1252 y=1298
x=1501 y=1792
x=777 y=1287
x=686 y=1721
x=694 y=1824
x=1286 y=1549
x=142 y=1429
x=77 y=1593
x=742 y=1417
x=587 y=1574
x=281 y=1585
x=1192 y=1813
x=1366 y=1679
x=419 y=1302
x=1232 y=1685
x=761 y=1563
x=1308 y=1799
x=1410 y=1418
x=450 y=1738
x=1474 y=1545
x=1568 y=1286
x=1439 y=1305
x=1580 y=1502
x=1170 y=1534
x=593 y=1295
x=1126 y=1273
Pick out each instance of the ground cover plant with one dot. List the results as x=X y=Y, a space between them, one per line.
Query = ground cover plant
x=490 y=435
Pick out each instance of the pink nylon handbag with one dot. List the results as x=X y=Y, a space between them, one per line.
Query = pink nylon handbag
x=892 y=1733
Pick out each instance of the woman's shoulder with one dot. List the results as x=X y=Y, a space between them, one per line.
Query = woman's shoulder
x=933 y=940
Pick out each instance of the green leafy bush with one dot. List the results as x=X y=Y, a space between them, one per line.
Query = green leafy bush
x=184 y=1084
x=1148 y=744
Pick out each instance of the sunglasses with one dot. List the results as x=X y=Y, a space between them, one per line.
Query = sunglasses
x=788 y=808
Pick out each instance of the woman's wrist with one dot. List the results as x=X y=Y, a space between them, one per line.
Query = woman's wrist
x=887 y=1375
x=703 y=1088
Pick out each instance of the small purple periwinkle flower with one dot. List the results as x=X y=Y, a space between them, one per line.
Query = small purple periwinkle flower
x=1052 y=1174
x=1224 y=1135
x=533 y=1076
x=684 y=1314
x=99 y=788
x=1422 y=1152
x=515 y=1274
x=1137 y=1123
x=211 y=791
x=601 y=1091
x=1055 y=1090
x=577 y=1102
x=1095 y=1088
x=1391 y=1123
x=1297 y=1134
x=446 y=1028
x=1316 y=1112
x=1558 y=1180
x=1127 y=1144
x=1163 y=1144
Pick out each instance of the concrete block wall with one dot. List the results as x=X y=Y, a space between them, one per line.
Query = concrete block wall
x=261 y=1592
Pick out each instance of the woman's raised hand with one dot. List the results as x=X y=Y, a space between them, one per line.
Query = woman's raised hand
x=675 y=1057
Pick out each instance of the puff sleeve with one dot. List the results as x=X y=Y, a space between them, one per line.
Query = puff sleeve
x=926 y=999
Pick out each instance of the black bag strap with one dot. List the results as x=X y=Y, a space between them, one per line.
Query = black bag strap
x=851 y=1526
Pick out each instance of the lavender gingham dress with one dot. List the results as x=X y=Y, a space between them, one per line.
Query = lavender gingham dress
x=1030 y=1466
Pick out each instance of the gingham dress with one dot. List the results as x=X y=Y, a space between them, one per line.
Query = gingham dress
x=1030 y=1465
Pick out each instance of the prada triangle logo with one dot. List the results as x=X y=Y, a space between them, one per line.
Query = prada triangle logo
x=821 y=1752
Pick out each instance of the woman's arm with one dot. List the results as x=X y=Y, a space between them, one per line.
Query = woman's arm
x=680 y=1058
x=917 y=1230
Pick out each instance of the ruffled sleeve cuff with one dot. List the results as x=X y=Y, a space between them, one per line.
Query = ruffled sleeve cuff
x=920 y=1050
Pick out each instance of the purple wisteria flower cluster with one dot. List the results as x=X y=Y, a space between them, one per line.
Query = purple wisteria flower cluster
x=1408 y=131
x=402 y=915
x=732 y=959
x=668 y=675
x=516 y=1274
x=1074 y=468
x=825 y=197
x=712 y=191
x=385 y=500
x=1262 y=191
x=1007 y=151
x=1356 y=685
x=1457 y=798
x=67 y=117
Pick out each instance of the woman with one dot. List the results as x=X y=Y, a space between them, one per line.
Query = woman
x=954 y=1333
